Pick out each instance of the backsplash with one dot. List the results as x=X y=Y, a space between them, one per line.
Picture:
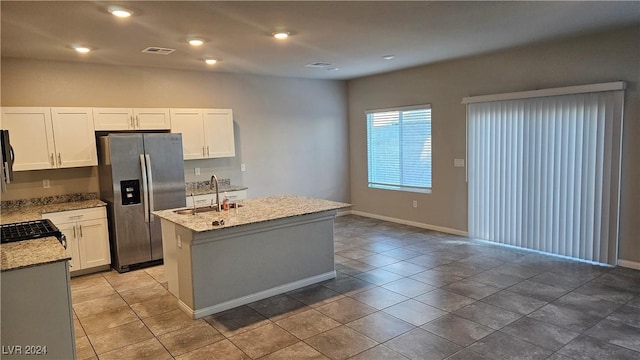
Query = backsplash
x=196 y=185
x=13 y=204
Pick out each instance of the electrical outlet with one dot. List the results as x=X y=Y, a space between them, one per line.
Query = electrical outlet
x=46 y=183
x=243 y=167
x=458 y=162
x=197 y=171
x=179 y=239
x=415 y=203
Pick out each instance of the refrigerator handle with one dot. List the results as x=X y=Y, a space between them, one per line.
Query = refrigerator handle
x=145 y=192
x=150 y=182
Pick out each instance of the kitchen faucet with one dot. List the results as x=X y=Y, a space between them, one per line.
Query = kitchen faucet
x=211 y=182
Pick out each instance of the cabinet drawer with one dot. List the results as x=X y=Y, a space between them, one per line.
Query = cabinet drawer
x=63 y=217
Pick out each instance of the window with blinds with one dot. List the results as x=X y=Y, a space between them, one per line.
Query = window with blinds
x=399 y=148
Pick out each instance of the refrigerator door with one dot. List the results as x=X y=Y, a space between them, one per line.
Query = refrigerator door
x=129 y=231
x=165 y=164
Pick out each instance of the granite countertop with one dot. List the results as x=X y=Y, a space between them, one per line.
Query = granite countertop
x=253 y=211
x=34 y=212
x=21 y=254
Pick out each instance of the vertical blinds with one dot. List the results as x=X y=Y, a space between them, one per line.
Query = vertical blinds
x=399 y=148
x=544 y=173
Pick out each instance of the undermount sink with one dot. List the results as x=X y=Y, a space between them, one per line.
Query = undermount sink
x=203 y=209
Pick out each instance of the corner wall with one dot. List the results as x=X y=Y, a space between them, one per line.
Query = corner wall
x=292 y=134
x=605 y=57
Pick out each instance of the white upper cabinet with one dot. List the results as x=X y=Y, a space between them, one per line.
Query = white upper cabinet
x=74 y=137
x=107 y=119
x=31 y=135
x=50 y=138
x=206 y=133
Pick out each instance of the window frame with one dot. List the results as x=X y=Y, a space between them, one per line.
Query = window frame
x=400 y=187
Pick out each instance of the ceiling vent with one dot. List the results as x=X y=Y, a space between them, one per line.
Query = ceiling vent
x=158 y=50
x=318 y=65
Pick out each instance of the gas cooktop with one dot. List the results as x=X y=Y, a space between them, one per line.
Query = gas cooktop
x=29 y=230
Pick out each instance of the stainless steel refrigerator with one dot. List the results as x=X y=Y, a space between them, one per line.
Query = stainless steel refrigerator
x=139 y=173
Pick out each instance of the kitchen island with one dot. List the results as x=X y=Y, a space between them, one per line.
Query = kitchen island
x=265 y=247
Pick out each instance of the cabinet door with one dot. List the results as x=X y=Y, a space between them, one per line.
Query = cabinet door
x=218 y=130
x=113 y=119
x=152 y=119
x=31 y=137
x=74 y=136
x=93 y=243
x=188 y=122
x=70 y=232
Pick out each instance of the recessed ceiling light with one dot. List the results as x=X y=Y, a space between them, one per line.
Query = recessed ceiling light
x=195 y=42
x=333 y=69
x=82 y=49
x=210 y=61
x=281 y=35
x=389 y=57
x=120 y=12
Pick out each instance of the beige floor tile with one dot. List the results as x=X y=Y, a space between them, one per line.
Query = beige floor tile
x=278 y=307
x=139 y=295
x=100 y=289
x=83 y=281
x=307 y=324
x=236 y=320
x=221 y=350
x=299 y=351
x=340 y=343
x=169 y=321
x=380 y=326
x=121 y=336
x=105 y=303
x=130 y=280
x=84 y=350
x=156 y=306
x=77 y=329
x=263 y=340
x=157 y=272
x=96 y=323
x=147 y=350
x=190 y=338
x=346 y=310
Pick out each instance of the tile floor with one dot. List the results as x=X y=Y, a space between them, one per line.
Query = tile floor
x=401 y=292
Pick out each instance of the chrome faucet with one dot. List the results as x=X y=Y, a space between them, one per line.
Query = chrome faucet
x=211 y=182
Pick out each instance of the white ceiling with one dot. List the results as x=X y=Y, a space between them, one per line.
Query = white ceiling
x=351 y=35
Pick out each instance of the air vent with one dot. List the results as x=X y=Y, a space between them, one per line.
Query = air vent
x=318 y=65
x=158 y=50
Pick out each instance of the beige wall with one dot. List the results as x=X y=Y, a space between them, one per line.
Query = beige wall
x=592 y=59
x=292 y=134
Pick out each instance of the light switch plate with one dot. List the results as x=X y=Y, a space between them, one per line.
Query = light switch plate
x=197 y=171
x=458 y=162
x=242 y=167
x=46 y=183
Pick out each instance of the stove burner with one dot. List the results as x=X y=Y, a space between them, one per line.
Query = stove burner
x=29 y=230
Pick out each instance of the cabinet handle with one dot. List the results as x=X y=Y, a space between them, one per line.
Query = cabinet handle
x=81 y=231
x=59 y=159
x=207 y=150
x=204 y=151
x=74 y=232
x=53 y=164
x=133 y=125
x=137 y=121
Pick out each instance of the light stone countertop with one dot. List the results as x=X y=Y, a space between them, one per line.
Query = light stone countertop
x=28 y=213
x=252 y=211
x=26 y=253
x=22 y=254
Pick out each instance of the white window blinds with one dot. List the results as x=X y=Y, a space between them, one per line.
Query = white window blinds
x=544 y=173
x=399 y=148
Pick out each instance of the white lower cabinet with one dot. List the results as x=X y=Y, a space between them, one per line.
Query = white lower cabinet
x=208 y=199
x=87 y=236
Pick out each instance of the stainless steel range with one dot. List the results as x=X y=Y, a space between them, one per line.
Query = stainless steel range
x=31 y=230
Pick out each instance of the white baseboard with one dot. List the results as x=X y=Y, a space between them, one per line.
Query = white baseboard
x=213 y=309
x=412 y=223
x=629 y=264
